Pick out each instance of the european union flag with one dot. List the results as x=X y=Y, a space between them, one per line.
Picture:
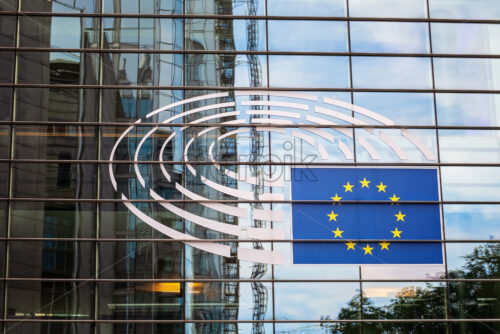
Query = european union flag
x=365 y=219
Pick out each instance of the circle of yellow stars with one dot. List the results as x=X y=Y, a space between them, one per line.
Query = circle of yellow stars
x=332 y=216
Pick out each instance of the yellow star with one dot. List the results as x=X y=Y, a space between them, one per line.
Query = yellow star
x=394 y=198
x=338 y=233
x=337 y=198
x=381 y=187
x=350 y=245
x=348 y=187
x=384 y=245
x=364 y=183
x=368 y=249
x=332 y=216
x=400 y=216
x=396 y=233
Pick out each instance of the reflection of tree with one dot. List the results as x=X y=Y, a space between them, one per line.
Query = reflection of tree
x=476 y=300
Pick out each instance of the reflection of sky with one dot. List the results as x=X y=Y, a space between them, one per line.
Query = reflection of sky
x=465 y=9
x=391 y=72
x=388 y=8
x=306 y=7
x=308 y=36
x=389 y=37
x=470 y=183
x=472 y=221
x=455 y=109
x=459 y=73
x=465 y=38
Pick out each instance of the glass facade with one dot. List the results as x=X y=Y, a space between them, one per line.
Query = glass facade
x=146 y=146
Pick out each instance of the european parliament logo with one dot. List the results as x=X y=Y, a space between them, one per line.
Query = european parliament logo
x=366 y=204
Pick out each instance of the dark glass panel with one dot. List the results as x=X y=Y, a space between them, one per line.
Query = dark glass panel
x=4 y=179
x=49 y=328
x=51 y=259
x=59 y=32
x=3 y=219
x=118 y=222
x=49 y=300
x=140 y=259
x=54 y=180
x=143 y=6
x=4 y=141
x=7 y=66
x=8 y=5
x=141 y=300
x=138 y=328
x=225 y=34
x=7 y=29
x=60 y=68
x=52 y=220
x=6 y=104
x=62 y=6
x=64 y=142
x=142 y=33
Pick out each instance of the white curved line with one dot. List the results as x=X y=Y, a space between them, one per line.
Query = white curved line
x=197 y=110
x=270 y=121
x=248 y=195
x=303 y=136
x=345 y=150
x=261 y=256
x=271 y=197
x=211 y=117
x=339 y=115
x=110 y=167
x=322 y=121
x=322 y=133
x=393 y=145
x=251 y=232
x=252 y=179
x=421 y=146
x=274 y=113
x=358 y=109
x=136 y=155
x=322 y=152
x=210 y=247
x=163 y=170
x=191 y=169
x=193 y=99
x=276 y=104
x=270 y=129
x=269 y=215
x=369 y=148
x=202 y=132
x=228 y=209
x=301 y=96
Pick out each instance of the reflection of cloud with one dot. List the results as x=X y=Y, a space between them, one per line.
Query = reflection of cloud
x=455 y=109
x=387 y=8
x=471 y=183
x=389 y=37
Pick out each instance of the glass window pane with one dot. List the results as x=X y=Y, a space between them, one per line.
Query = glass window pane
x=391 y=72
x=388 y=8
x=143 y=6
x=471 y=221
x=468 y=109
x=465 y=38
x=334 y=8
x=309 y=71
x=314 y=36
x=470 y=183
x=55 y=142
x=62 y=6
x=6 y=103
x=462 y=146
x=389 y=37
x=57 y=104
x=58 y=68
x=7 y=64
x=222 y=34
x=7 y=30
x=51 y=259
x=243 y=7
x=42 y=328
x=461 y=73
x=50 y=300
x=59 y=32
x=52 y=220
x=54 y=180
x=465 y=9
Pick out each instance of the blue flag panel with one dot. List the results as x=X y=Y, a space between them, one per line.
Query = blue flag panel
x=365 y=219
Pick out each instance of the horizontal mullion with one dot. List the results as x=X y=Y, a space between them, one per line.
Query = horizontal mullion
x=233 y=88
x=243 y=280
x=249 y=17
x=187 y=201
x=298 y=241
x=256 y=163
x=246 y=52
x=205 y=321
